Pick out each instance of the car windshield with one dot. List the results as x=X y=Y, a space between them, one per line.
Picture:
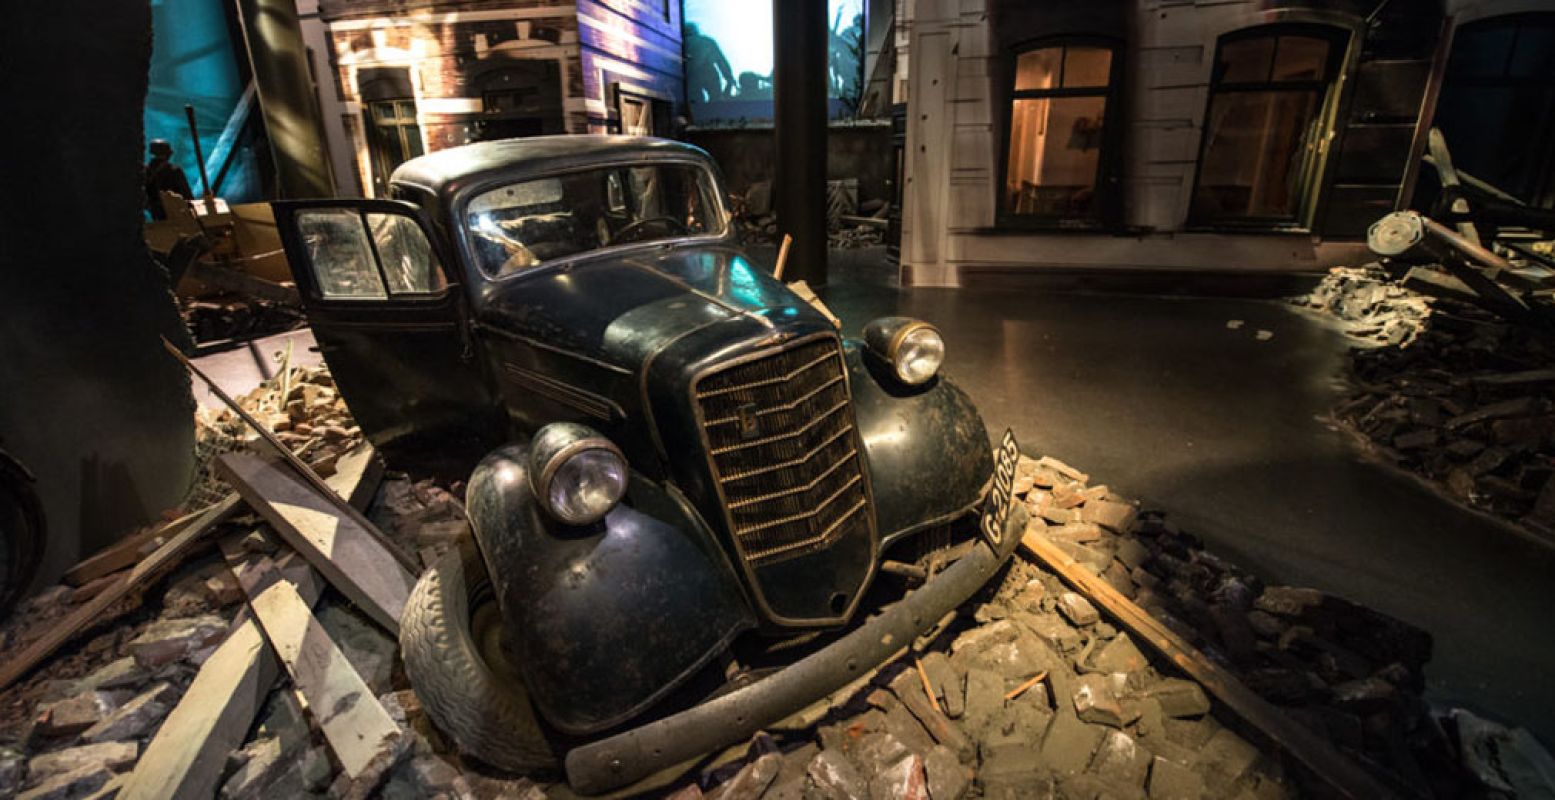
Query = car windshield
x=525 y=224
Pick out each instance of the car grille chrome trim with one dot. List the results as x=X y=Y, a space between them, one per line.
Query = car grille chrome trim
x=782 y=445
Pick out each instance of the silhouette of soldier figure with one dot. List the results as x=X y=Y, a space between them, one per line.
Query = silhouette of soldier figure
x=162 y=175
x=707 y=70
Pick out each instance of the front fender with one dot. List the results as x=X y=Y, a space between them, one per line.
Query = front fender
x=603 y=620
x=929 y=455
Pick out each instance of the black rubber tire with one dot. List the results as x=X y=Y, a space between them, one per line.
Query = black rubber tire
x=481 y=706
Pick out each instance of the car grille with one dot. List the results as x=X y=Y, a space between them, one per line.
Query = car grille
x=780 y=437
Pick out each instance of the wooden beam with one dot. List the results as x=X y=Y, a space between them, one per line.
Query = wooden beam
x=350 y=558
x=126 y=551
x=91 y=612
x=355 y=724
x=301 y=467
x=187 y=756
x=1329 y=765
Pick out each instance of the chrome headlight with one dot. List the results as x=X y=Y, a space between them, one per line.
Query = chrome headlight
x=914 y=348
x=577 y=474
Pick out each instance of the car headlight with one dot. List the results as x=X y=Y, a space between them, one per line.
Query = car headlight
x=914 y=348
x=577 y=474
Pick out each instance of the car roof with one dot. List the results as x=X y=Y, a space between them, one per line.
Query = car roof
x=446 y=171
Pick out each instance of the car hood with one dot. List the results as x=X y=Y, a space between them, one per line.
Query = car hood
x=622 y=309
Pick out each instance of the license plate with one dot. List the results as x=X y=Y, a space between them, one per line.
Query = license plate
x=996 y=510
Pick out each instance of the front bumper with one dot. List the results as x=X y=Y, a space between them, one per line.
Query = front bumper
x=628 y=757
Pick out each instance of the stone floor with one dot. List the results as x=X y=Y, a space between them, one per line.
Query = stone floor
x=1219 y=425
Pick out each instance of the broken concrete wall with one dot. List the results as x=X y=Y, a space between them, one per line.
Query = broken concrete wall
x=91 y=403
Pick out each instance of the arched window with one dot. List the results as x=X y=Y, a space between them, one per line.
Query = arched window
x=1269 y=109
x=1497 y=107
x=1059 y=133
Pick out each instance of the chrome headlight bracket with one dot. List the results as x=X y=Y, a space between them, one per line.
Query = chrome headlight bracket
x=576 y=453
x=900 y=342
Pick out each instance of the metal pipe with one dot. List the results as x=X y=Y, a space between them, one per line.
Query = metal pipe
x=199 y=160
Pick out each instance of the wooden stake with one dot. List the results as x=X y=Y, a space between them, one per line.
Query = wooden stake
x=1021 y=689
x=296 y=462
x=782 y=261
x=928 y=688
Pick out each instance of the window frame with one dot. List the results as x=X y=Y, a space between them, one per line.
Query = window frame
x=374 y=129
x=1327 y=89
x=360 y=209
x=1108 y=208
x=1517 y=23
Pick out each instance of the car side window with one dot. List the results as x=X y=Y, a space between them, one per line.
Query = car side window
x=409 y=265
x=342 y=257
x=371 y=256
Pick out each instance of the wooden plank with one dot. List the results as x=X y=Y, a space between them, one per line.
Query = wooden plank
x=126 y=551
x=301 y=467
x=187 y=756
x=354 y=723
x=90 y=612
x=1344 y=775
x=349 y=557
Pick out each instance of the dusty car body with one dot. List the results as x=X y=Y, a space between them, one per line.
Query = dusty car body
x=543 y=294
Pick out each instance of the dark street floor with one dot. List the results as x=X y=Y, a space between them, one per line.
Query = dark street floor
x=1159 y=399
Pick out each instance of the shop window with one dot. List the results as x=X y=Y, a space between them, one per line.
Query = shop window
x=1268 y=115
x=1057 y=153
x=1497 y=106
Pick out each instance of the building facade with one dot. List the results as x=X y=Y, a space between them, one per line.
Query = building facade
x=398 y=79
x=1181 y=135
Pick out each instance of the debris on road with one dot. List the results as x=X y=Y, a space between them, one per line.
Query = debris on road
x=1035 y=686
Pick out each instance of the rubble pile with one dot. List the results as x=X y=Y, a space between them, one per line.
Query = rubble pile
x=300 y=405
x=1351 y=674
x=84 y=718
x=1036 y=694
x=1469 y=405
x=1372 y=306
x=756 y=219
x=854 y=237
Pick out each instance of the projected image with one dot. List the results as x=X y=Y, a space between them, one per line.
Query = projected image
x=728 y=49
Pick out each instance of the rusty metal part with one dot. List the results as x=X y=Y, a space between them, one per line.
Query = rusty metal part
x=1408 y=234
x=625 y=758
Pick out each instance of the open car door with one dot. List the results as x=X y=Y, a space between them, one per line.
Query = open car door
x=389 y=315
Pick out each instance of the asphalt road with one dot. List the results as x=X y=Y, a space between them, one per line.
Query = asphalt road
x=1160 y=399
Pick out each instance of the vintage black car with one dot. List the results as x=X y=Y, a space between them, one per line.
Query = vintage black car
x=692 y=475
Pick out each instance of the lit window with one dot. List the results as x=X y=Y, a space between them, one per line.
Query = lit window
x=1264 y=128
x=1056 y=149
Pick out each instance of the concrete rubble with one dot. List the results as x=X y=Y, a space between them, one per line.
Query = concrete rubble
x=1029 y=690
x=1467 y=402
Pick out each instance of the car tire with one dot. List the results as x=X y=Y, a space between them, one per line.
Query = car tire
x=477 y=701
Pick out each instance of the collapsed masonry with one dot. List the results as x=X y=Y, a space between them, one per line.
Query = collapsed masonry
x=1029 y=690
x=1466 y=400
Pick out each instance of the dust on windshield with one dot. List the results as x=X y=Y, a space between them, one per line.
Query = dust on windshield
x=529 y=223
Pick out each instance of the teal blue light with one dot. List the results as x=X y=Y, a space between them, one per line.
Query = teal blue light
x=193 y=61
x=742 y=282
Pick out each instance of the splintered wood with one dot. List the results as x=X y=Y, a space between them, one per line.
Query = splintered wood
x=90 y=612
x=353 y=721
